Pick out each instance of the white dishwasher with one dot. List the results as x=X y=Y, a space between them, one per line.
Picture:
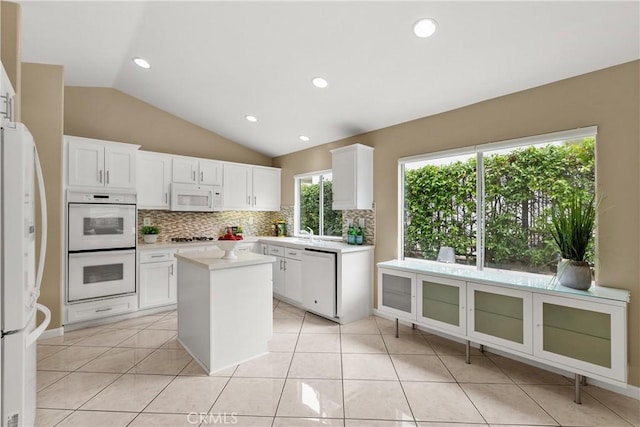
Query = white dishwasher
x=319 y=281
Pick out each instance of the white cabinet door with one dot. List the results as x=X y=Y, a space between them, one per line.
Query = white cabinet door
x=278 y=276
x=500 y=316
x=441 y=303
x=157 y=284
x=343 y=170
x=397 y=293
x=86 y=164
x=352 y=176
x=583 y=336
x=120 y=167
x=293 y=279
x=236 y=189
x=210 y=172
x=184 y=169
x=266 y=189
x=153 y=172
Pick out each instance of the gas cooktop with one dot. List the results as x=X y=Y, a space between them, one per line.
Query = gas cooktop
x=191 y=239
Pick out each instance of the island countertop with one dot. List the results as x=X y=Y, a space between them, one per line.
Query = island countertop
x=212 y=260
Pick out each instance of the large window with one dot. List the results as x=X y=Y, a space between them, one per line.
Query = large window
x=492 y=203
x=313 y=205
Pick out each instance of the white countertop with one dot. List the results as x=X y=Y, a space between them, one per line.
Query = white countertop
x=324 y=245
x=295 y=242
x=515 y=279
x=212 y=260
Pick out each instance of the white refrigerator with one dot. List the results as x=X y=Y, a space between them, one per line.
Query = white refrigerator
x=20 y=281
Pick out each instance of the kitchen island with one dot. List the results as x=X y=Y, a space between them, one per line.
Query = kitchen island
x=224 y=307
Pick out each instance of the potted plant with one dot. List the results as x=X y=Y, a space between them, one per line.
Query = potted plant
x=150 y=233
x=572 y=226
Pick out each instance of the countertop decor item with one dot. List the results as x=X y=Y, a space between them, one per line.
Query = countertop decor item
x=572 y=226
x=150 y=233
x=228 y=246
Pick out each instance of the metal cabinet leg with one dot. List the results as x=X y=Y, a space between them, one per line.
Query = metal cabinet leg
x=397 y=328
x=413 y=326
x=482 y=348
x=468 y=353
x=584 y=380
x=578 y=390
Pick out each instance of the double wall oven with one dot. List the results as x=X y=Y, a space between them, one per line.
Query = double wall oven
x=101 y=245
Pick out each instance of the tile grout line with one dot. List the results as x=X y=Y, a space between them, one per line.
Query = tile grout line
x=404 y=393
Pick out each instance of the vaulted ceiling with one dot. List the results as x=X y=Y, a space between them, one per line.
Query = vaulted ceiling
x=215 y=62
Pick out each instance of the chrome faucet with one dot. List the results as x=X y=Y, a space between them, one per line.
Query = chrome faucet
x=309 y=233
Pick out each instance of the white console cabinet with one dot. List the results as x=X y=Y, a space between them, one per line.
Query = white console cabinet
x=584 y=332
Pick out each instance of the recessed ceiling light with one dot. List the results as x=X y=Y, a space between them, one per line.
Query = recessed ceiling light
x=142 y=63
x=251 y=118
x=304 y=138
x=425 y=28
x=319 y=82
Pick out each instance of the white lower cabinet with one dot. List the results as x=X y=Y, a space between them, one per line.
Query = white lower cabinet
x=397 y=293
x=499 y=316
x=157 y=278
x=442 y=303
x=584 y=332
x=102 y=308
x=584 y=335
x=287 y=272
x=293 y=274
x=278 y=268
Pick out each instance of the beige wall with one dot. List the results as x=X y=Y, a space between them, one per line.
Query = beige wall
x=106 y=113
x=608 y=98
x=42 y=106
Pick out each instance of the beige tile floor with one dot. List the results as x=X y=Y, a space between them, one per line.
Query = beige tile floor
x=135 y=373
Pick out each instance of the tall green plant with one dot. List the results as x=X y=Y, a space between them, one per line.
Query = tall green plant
x=572 y=226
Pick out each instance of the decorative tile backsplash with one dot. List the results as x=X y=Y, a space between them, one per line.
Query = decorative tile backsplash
x=211 y=224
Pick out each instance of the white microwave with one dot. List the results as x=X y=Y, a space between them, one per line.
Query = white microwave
x=196 y=198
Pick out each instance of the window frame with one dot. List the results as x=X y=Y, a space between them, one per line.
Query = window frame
x=296 y=206
x=479 y=150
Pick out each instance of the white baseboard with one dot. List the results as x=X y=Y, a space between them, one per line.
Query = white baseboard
x=50 y=333
x=112 y=319
x=629 y=391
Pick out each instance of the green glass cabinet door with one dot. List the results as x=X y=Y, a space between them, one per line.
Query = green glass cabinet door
x=500 y=316
x=441 y=303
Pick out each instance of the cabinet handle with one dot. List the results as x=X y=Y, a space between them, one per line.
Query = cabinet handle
x=280 y=264
x=100 y=176
x=264 y=251
x=255 y=200
x=166 y=197
x=107 y=177
x=285 y=265
x=104 y=309
x=248 y=200
x=201 y=176
x=172 y=269
x=157 y=256
x=194 y=176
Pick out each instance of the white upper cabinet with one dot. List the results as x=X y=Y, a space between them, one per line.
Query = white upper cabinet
x=184 y=169
x=236 y=191
x=352 y=171
x=191 y=170
x=249 y=187
x=266 y=188
x=95 y=163
x=210 y=172
x=153 y=180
